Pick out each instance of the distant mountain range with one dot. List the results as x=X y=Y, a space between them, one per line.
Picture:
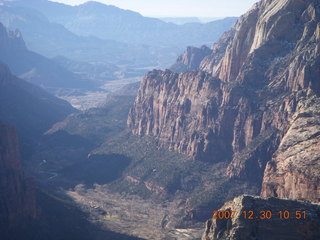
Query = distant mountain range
x=181 y=20
x=52 y=39
x=34 y=67
x=110 y=22
x=97 y=32
x=184 y=20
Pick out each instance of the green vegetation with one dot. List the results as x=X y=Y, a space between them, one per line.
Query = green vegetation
x=100 y=124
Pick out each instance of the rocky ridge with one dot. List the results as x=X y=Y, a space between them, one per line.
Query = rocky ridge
x=28 y=108
x=274 y=226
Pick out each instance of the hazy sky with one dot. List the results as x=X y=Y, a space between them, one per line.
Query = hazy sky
x=179 y=8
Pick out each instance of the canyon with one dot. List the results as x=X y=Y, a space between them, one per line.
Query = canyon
x=253 y=104
x=231 y=127
x=245 y=106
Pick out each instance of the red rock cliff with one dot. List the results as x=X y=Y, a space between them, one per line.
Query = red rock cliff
x=243 y=99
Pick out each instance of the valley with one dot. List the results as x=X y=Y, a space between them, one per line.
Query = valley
x=131 y=214
x=83 y=100
x=112 y=129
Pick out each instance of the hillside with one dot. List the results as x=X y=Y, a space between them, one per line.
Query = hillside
x=28 y=108
x=33 y=67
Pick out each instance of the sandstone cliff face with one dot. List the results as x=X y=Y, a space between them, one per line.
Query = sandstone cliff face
x=239 y=228
x=168 y=107
x=17 y=201
x=190 y=59
x=240 y=103
x=294 y=171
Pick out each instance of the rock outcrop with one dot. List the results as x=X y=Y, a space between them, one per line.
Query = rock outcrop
x=17 y=201
x=241 y=103
x=303 y=221
x=190 y=59
x=294 y=171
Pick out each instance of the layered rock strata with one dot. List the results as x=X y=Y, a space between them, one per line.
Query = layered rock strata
x=294 y=171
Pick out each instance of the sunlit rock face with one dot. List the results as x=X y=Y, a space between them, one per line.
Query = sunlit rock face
x=190 y=59
x=244 y=99
x=294 y=171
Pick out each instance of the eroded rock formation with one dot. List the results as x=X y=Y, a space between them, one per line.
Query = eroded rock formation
x=190 y=59
x=261 y=225
x=294 y=171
